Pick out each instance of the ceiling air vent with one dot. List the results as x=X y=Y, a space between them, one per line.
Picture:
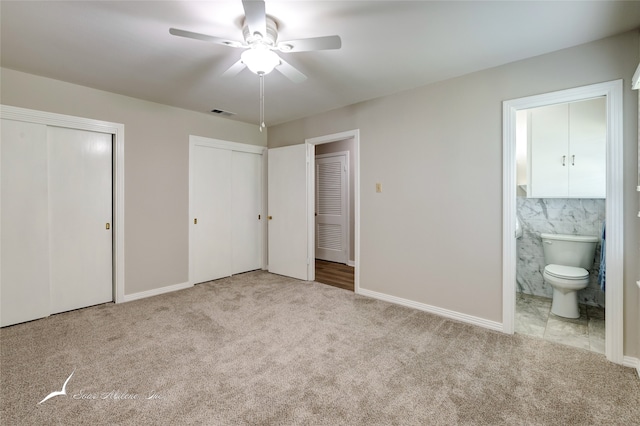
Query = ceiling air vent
x=222 y=112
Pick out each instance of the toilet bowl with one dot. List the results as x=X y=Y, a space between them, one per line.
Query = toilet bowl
x=566 y=281
x=568 y=259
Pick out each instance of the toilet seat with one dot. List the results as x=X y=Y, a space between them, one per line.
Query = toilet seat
x=566 y=272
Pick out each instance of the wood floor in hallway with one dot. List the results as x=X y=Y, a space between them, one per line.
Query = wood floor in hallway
x=335 y=274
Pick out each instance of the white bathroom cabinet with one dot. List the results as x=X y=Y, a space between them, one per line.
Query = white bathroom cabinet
x=567 y=150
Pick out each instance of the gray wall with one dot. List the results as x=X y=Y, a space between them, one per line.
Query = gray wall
x=156 y=167
x=434 y=235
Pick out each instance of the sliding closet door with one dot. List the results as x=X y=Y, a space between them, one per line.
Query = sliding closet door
x=24 y=223
x=80 y=208
x=211 y=190
x=245 y=210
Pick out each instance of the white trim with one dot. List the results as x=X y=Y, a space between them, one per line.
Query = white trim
x=635 y=80
x=156 y=291
x=231 y=146
x=115 y=129
x=632 y=362
x=353 y=264
x=614 y=320
x=469 y=319
x=311 y=142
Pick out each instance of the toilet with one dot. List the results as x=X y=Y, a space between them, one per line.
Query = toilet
x=568 y=259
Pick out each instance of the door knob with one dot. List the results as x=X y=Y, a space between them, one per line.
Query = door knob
x=269 y=217
x=108 y=226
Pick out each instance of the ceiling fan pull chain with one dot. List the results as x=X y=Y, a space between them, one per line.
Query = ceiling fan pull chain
x=262 y=125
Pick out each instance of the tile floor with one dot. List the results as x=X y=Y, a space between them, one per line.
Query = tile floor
x=534 y=318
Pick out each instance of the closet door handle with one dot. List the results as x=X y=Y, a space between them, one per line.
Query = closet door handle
x=564 y=158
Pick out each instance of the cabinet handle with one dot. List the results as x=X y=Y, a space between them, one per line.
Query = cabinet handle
x=564 y=158
x=573 y=160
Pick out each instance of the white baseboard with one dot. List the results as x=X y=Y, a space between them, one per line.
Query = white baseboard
x=629 y=361
x=351 y=263
x=156 y=291
x=469 y=319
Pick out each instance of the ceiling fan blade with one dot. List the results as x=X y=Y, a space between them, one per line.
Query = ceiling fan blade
x=234 y=69
x=290 y=72
x=204 y=37
x=255 y=16
x=314 y=43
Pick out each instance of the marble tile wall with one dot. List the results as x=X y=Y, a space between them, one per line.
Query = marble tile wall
x=559 y=216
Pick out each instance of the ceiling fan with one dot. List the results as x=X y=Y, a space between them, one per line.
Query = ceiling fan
x=260 y=33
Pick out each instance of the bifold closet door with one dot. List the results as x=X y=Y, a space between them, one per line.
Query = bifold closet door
x=80 y=209
x=212 y=212
x=24 y=241
x=245 y=210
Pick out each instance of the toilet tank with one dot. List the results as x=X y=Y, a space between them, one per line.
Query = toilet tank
x=569 y=250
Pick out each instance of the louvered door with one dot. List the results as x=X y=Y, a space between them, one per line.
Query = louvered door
x=331 y=207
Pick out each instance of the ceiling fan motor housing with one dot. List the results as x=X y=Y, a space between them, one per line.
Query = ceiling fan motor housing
x=270 y=38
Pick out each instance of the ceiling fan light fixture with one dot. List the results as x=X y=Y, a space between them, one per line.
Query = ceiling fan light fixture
x=260 y=59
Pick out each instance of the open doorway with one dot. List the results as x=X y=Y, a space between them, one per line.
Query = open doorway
x=334 y=219
x=612 y=92
x=333 y=203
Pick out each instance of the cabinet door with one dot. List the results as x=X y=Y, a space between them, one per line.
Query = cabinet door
x=548 y=151
x=212 y=209
x=587 y=149
x=24 y=217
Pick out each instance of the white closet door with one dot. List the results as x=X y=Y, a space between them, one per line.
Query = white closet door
x=212 y=208
x=24 y=223
x=288 y=211
x=331 y=208
x=80 y=207
x=245 y=208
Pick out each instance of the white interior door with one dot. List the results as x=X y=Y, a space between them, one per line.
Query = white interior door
x=331 y=207
x=80 y=209
x=287 y=176
x=212 y=213
x=24 y=222
x=246 y=211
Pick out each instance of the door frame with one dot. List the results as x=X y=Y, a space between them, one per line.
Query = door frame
x=117 y=132
x=311 y=197
x=231 y=146
x=613 y=91
x=346 y=230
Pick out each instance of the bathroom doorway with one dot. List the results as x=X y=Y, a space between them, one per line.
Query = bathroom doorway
x=560 y=189
x=537 y=213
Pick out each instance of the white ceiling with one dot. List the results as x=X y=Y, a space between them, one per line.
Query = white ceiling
x=387 y=46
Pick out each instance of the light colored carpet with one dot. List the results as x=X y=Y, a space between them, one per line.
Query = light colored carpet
x=262 y=349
